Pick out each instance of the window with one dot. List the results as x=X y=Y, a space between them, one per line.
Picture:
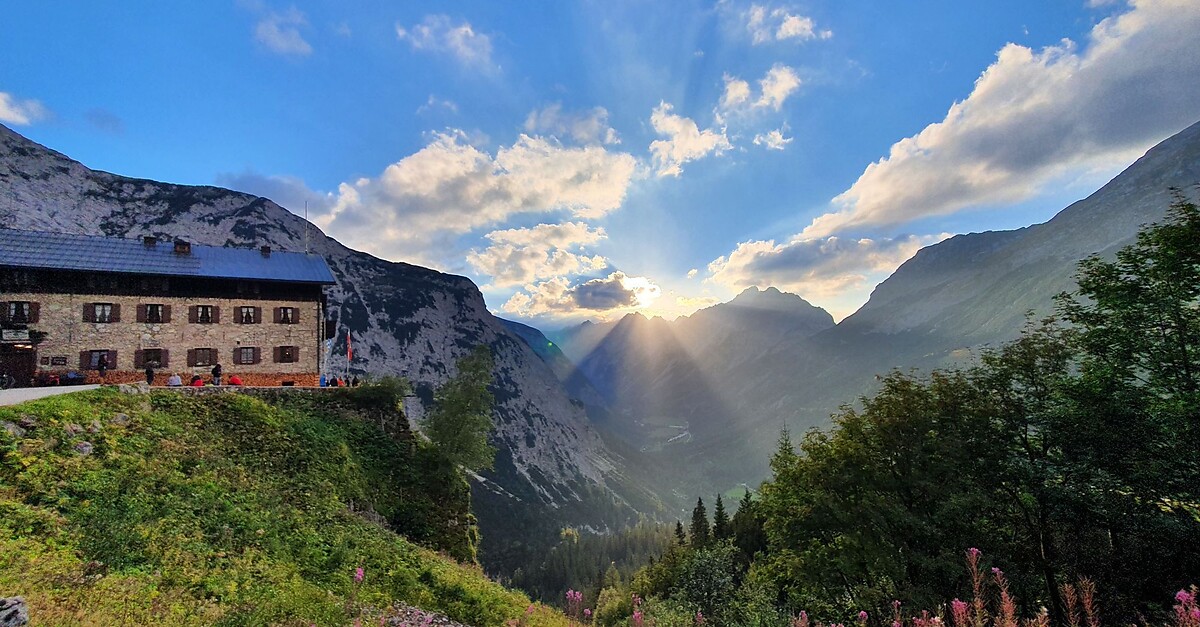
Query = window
x=202 y=357
x=247 y=315
x=94 y=358
x=103 y=312
x=204 y=314
x=153 y=357
x=154 y=313
x=286 y=354
x=20 y=312
x=286 y=315
x=245 y=355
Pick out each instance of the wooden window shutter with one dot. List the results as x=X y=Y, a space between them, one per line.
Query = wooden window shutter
x=193 y=318
x=85 y=360
x=166 y=315
x=257 y=315
x=89 y=312
x=216 y=314
x=191 y=360
x=164 y=361
x=112 y=357
x=295 y=354
x=276 y=318
x=116 y=313
x=139 y=359
x=277 y=354
x=4 y=312
x=34 y=309
x=295 y=315
x=257 y=355
x=141 y=313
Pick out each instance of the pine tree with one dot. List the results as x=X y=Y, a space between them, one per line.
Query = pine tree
x=680 y=536
x=721 y=528
x=700 y=529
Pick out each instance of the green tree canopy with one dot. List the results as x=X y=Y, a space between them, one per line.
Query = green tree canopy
x=462 y=416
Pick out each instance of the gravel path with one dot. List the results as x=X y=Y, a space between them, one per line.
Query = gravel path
x=20 y=395
x=406 y=616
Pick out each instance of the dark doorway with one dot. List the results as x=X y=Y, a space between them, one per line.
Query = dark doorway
x=17 y=361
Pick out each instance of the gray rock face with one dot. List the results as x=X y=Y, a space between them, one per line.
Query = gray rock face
x=15 y=431
x=13 y=612
x=84 y=448
x=405 y=320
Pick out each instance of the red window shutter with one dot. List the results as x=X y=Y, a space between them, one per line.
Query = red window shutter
x=193 y=317
x=257 y=315
x=85 y=360
x=34 y=309
x=191 y=360
x=166 y=314
x=141 y=313
x=164 y=362
x=116 y=313
x=112 y=357
x=216 y=314
x=139 y=359
x=89 y=312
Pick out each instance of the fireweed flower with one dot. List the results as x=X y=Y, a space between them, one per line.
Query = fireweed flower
x=959 y=610
x=358 y=574
x=862 y=617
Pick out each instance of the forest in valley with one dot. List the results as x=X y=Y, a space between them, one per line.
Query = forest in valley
x=1055 y=481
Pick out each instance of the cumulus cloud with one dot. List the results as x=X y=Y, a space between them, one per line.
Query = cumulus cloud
x=684 y=141
x=20 y=112
x=585 y=127
x=774 y=88
x=557 y=297
x=452 y=187
x=1034 y=116
x=773 y=140
x=813 y=268
x=280 y=32
x=438 y=33
x=434 y=103
x=779 y=83
x=767 y=25
x=526 y=255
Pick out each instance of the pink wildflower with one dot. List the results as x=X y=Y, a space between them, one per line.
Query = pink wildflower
x=801 y=620
x=358 y=574
x=862 y=617
x=959 y=610
x=699 y=618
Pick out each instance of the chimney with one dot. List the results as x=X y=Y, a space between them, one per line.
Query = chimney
x=265 y=250
x=182 y=247
x=149 y=241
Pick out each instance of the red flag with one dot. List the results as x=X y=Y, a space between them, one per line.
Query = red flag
x=349 y=349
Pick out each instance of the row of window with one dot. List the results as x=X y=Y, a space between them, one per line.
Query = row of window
x=25 y=312
x=160 y=357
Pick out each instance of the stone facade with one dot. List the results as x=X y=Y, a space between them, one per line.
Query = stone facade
x=69 y=338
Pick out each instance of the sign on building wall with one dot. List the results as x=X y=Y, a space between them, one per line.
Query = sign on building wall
x=14 y=335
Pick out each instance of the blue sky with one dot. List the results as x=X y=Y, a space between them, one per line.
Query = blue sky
x=584 y=160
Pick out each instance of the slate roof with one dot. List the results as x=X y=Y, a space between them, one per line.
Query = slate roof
x=61 y=251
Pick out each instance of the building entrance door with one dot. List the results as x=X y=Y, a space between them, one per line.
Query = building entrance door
x=17 y=365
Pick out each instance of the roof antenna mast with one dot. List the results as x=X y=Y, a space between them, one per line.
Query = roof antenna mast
x=306 y=227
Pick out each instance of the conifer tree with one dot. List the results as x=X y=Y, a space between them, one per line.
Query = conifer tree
x=721 y=528
x=700 y=530
x=680 y=536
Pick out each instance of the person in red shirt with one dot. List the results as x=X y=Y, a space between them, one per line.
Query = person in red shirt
x=197 y=381
x=235 y=380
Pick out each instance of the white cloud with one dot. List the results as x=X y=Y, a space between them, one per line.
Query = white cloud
x=773 y=140
x=525 y=255
x=558 y=298
x=451 y=187
x=585 y=127
x=13 y=110
x=280 y=32
x=433 y=102
x=767 y=25
x=437 y=33
x=1034 y=116
x=813 y=268
x=779 y=83
x=685 y=141
x=691 y=274
x=737 y=91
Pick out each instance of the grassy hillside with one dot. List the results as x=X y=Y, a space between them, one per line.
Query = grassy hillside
x=164 y=509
